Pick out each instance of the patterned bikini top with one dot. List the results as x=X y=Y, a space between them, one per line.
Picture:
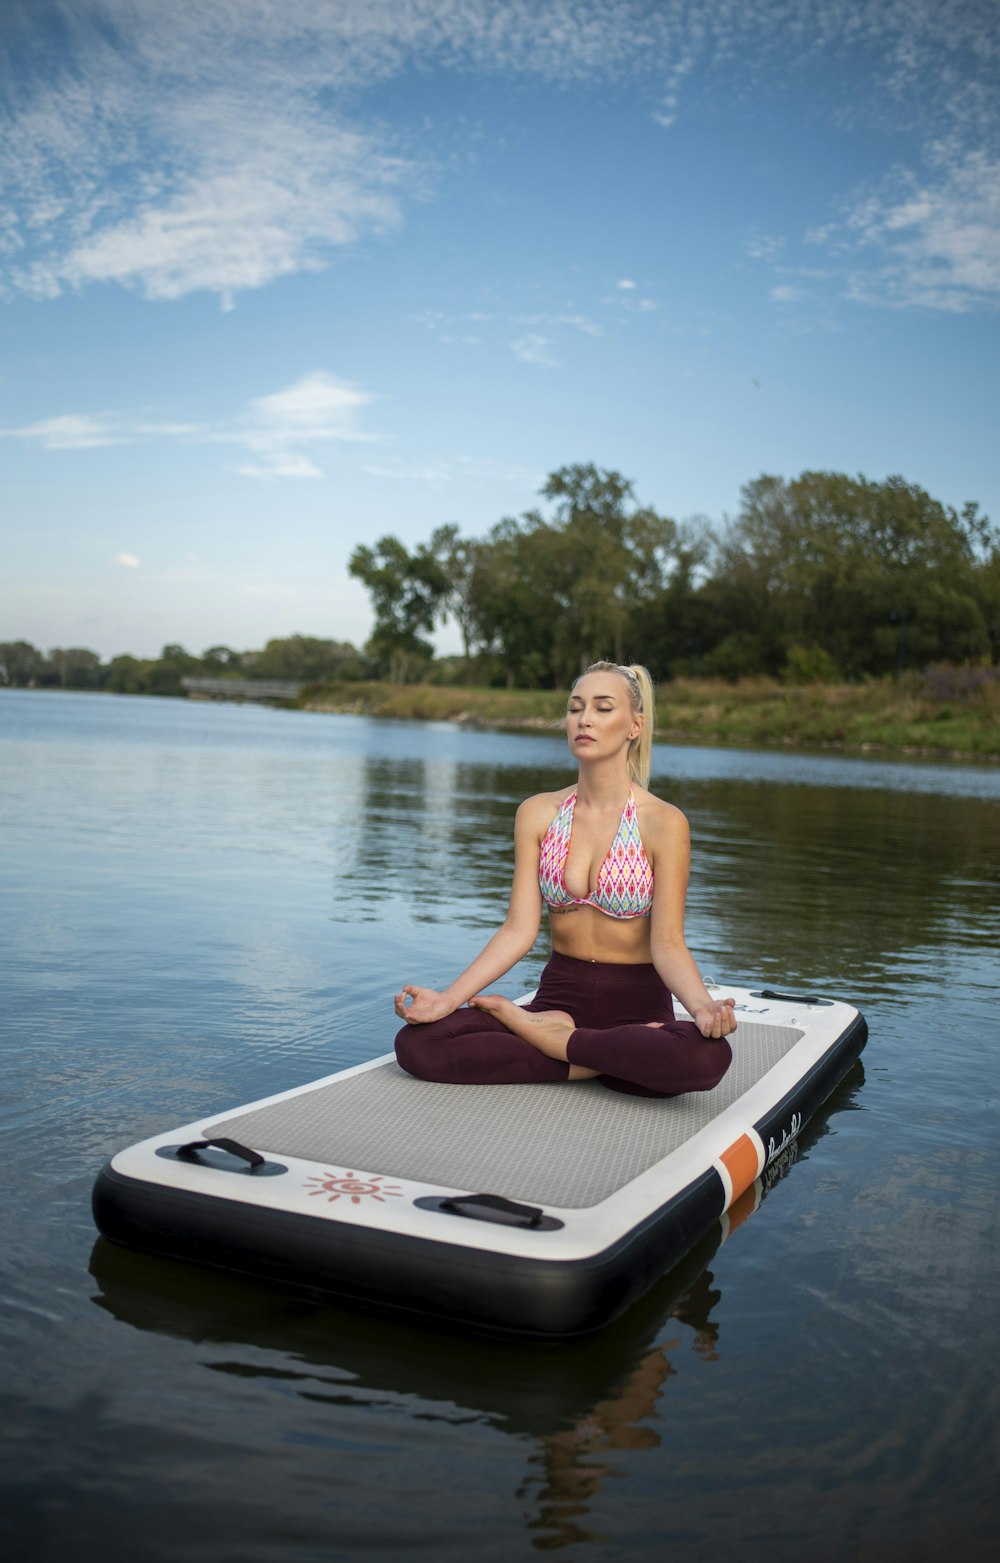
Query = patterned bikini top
x=625 y=882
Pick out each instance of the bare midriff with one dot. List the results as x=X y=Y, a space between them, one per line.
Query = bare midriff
x=585 y=934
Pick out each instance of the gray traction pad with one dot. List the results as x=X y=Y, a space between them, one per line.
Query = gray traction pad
x=565 y=1145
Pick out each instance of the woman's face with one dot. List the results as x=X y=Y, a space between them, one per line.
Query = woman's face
x=599 y=717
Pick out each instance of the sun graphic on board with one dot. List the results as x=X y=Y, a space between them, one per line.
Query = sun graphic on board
x=348 y=1185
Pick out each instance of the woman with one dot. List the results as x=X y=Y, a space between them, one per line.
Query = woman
x=611 y=861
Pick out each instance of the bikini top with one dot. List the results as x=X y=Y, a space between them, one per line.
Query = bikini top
x=625 y=882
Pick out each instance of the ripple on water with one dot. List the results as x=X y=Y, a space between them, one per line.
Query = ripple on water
x=204 y=905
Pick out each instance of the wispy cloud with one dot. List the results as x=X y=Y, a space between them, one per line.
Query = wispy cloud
x=471 y=471
x=549 y=320
x=452 y=328
x=765 y=246
x=279 y=429
x=932 y=241
x=127 y=561
x=627 y=298
x=251 y=212
x=71 y=431
x=534 y=349
x=184 y=147
x=279 y=432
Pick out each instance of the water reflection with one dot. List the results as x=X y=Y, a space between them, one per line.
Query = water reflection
x=580 y=1404
x=792 y=883
x=206 y=905
x=789 y=884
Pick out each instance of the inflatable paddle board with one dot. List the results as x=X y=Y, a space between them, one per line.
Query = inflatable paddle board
x=539 y=1210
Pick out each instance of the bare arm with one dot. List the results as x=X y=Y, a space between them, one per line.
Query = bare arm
x=511 y=941
x=671 y=842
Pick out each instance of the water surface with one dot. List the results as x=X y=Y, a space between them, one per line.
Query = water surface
x=203 y=904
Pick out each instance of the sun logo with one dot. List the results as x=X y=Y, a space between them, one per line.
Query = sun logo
x=350 y=1186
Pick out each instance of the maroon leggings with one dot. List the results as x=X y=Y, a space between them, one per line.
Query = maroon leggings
x=612 y=1005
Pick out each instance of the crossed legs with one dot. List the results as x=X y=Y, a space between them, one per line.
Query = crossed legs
x=497 y=1042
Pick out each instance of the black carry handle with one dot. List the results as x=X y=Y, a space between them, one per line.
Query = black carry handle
x=254 y=1158
x=493 y=1207
x=791 y=998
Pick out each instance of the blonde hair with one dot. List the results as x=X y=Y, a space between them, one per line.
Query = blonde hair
x=639 y=684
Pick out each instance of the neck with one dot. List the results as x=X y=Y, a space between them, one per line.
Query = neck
x=604 y=786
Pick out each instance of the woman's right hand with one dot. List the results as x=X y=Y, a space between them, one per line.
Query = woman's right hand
x=425 y=1004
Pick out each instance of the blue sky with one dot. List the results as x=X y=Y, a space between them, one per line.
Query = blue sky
x=277 y=280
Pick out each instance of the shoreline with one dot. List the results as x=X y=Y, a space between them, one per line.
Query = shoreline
x=859 y=720
x=863 y=720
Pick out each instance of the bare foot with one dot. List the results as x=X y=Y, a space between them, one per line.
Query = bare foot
x=549 y=1031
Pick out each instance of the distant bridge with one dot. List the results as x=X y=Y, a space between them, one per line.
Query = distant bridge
x=241 y=688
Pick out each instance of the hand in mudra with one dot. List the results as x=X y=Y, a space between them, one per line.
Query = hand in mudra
x=716 y=1019
x=425 y=1004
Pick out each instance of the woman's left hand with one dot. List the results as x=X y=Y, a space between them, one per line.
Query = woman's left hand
x=717 y=1018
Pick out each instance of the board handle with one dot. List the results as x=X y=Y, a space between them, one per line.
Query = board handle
x=222 y=1154
x=493 y=1207
x=253 y=1158
x=790 y=998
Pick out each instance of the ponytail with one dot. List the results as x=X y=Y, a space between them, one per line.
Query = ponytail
x=640 y=752
x=639 y=684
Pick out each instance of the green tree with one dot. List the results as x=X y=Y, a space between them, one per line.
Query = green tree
x=128 y=675
x=548 y=595
x=75 y=668
x=221 y=659
x=307 y=658
x=615 y=554
x=408 y=593
x=163 y=675
x=465 y=562
x=872 y=573
x=21 y=663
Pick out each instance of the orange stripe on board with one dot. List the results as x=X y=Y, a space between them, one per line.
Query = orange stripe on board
x=741 y=1162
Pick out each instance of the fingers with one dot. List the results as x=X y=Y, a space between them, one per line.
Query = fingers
x=399 y=1001
x=721 y=1021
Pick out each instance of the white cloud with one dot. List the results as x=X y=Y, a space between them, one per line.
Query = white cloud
x=469 y=470
x=627 y=300
x=576 y=322
x=785 y=293
x=72 y=431
x=182 y=147
x=127 y=561
x=931 y=242
x=219 y=147
x=277 y=430
x=272 y=205
x=534 y=349
x=316 y=410
x=175 y=430
x=765 y=246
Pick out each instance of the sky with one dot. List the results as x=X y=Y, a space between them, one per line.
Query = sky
x=279 y=279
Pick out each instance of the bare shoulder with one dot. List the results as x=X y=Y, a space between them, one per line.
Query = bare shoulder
x=659 y=820
x=537 y=812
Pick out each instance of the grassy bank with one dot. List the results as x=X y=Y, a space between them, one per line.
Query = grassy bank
x=951 y=713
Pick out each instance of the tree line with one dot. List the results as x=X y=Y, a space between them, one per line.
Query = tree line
x=302 y=658
x=819 y=577
x=823 y=576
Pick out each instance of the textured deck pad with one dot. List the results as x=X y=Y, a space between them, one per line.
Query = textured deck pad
x=570 y=1146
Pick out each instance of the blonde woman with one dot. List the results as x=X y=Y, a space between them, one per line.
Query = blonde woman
x=610 y=861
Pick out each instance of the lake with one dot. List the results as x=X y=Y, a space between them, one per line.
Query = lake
x=204 y=904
